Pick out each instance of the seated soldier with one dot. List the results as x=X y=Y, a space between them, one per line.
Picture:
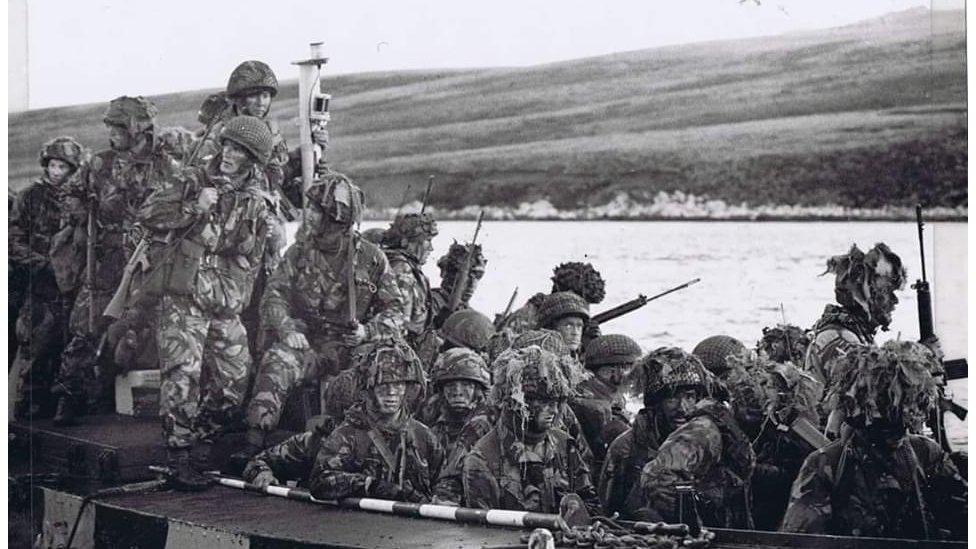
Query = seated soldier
x=599 y=404
x=878 y=479
x=672 y=382
x=379 y=450
x=580 y=278
x=567 y=314
x=524 y=462
x=461 y=379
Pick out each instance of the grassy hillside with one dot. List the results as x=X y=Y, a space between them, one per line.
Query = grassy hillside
x=867 y=115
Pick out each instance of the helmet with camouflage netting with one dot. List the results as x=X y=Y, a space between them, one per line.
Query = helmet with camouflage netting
x=137 y=114
x=387 y=361
x=523 y=374
x=611 y=350
x=252 y=134
x=560 y=305
x=65 y=149
x=666 y=370
x=468 y=328
x=252 y=76
x=461 y=364
x=336 y=196
x=453 y=260
x=580 y=278
x=714 y=351
x=409 y=226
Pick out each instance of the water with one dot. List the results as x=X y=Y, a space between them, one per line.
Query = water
x=748 y=272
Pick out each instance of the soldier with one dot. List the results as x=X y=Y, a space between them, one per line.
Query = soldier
x=599 y=403
x=37 y=218
x=204 y=279
x=579 y=278
x=307 y=304
x=112 y=188
x=450 y=265
x=715 y=351
x=379 y=450
x=567 y=314
x=878 y=479
x=672 y=382
x=525 y=462
x=460 y=376
x=784 y=343
x=710 y=454
x=407 y=246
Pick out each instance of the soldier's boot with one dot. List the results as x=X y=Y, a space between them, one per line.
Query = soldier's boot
x=185 y=477
x=253 y=444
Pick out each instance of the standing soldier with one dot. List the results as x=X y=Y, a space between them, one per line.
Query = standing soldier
x=864 y=288
x=112 y=189
x=524 y=462
x=379 y=450
x=878 y=479
x=599 y=403
x=38 y=216
x=407 y=246
x=204 y=279
x=307 y=305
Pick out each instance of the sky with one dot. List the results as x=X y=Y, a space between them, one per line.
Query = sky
x=84 y=51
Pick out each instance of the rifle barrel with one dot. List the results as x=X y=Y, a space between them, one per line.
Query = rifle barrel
x=675 y=289
x=477 y=228
x=921 y=241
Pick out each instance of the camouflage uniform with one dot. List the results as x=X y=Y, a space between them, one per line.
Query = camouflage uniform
x=36 y=222
x=407 y=229
x=878 y=479
x=513 y=468
x=115 y=185
x=370 y=455
x=199 y=326
x=293 y=458
x=307 y=295
x=579 y=278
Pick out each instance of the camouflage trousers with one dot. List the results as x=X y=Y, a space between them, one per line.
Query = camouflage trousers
x=78 y=362
x=283 y=368
x=204 y=364
x=40 y=331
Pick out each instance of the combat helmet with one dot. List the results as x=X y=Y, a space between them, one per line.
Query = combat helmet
x=560 y=305
x=453 y=260
x=580 y=278
x=520 y=374
x=138 y=114
x=611 y=350
x=463 y=364
x=714 y=351
x=63 y=148
x=784 y=343
x=468 y=328
x=409 y=226
x=252 y=134
x=551 y=342
x=387 y=361
x=669 y=369
x=341 y=200
x=250 y=76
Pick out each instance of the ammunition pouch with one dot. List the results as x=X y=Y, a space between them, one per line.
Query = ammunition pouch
x=174 y=271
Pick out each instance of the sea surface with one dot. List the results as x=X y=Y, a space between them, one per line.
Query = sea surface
x=753 y=274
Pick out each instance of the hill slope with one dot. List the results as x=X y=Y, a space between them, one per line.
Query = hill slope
x=867 y=115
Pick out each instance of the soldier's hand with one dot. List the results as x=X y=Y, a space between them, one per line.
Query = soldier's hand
x=265 y=479
x=297 y=341
x=206 y=200
x=320 y=136
x=356 y=336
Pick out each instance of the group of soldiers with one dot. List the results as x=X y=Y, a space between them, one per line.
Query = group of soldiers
x=401 y=391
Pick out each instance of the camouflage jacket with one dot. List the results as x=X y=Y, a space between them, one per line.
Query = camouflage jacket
x=349 y=459
x=711 y=453
x=526 y=317
x=601 y=412
x=504 y=472
x=457 y=437
x=231 y=236
x=836 y=332
x=293 y=458
x=624 y=461
x=308 y=292
x=116 y=184
x=278 y=169
x=38 y=214
x=847 y=488
x=439 y=298
x=415 y=290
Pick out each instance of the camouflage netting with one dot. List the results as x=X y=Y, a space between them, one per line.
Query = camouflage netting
x=453 y=260
x=714 y=352
x=579 y=278
x=460 y=364
x=251 y=76
x=759 y=384
x=66 y=149
x=387 y=361
x=552 y=342
x=252 y=134
x=784 y=343
x=528 y=372
x=893 y=382
x=560 y=305
x=409 y=227
x=861 y=277
x=323 y=193
x=136 y=113
x=612 y=349
x=666 y=369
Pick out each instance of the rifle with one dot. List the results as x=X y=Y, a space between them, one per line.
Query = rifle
x=351 y=279
x=636 y=303
x=211 y=112
x=926 y=331
x=313 y=110
x=116 y=306
x=430 y=185
x=90 y=266
x=461 y=280
x=500 y=319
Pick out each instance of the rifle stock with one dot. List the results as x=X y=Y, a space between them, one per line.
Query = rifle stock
x=116 y=306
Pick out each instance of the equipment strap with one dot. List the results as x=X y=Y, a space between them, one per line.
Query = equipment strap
x=377 y=439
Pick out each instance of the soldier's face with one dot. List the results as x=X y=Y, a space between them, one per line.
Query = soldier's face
x=420 y=248
x=459 y=393
x=677 y=407
x=233 y=159
x=256 y=104
x=57 y=170
x=542 y=414
x=571 y=328
x=612 y=375
x=119 y=137
x=389 y=397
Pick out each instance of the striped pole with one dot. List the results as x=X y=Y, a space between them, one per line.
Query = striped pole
x=497 y=517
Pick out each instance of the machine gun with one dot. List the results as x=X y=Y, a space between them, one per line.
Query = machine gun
x=636 y=303
x=926 y=330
